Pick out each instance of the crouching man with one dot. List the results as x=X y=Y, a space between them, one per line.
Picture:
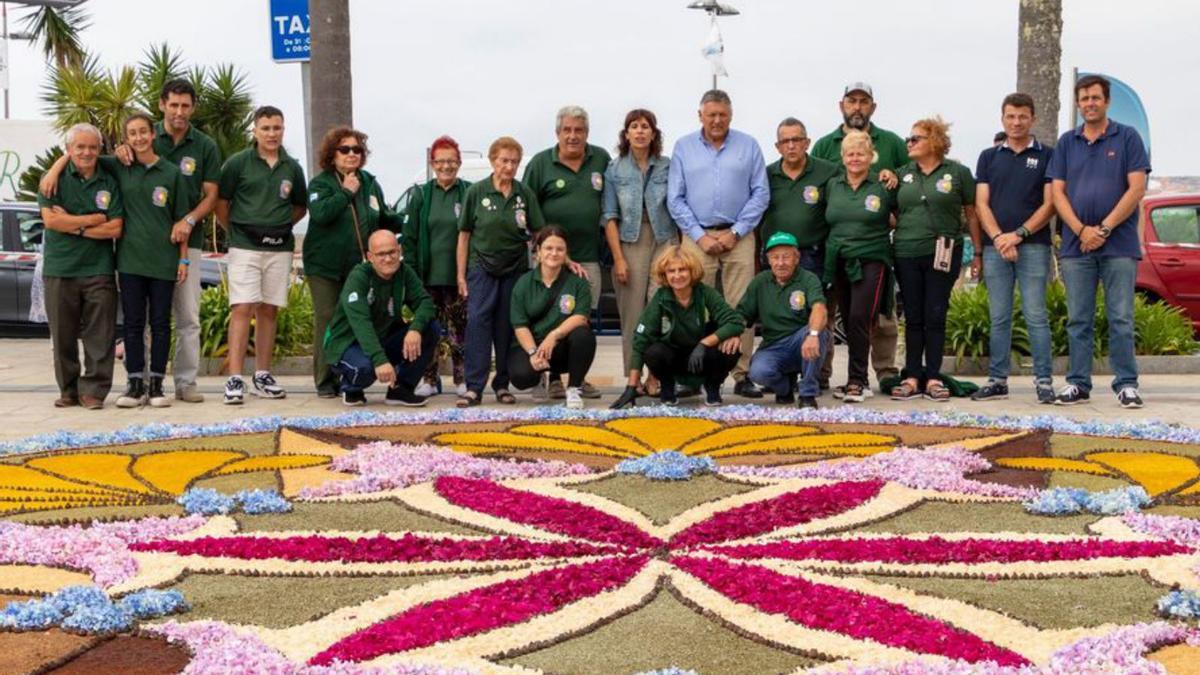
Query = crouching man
x=790 y=305
x=369 y=340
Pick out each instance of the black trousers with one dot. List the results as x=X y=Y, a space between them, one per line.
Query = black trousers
x=859 y=303
x=139 y=293
x=668 y=362
x=573 y=355
x=926 y=294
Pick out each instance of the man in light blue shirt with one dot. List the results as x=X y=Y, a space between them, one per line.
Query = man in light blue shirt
x=717 y=194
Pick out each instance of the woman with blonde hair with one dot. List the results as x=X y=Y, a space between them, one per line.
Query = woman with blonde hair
x=687 y=332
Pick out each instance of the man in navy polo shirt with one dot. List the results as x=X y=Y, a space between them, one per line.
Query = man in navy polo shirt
x=1014 y=203
x=1099 y=172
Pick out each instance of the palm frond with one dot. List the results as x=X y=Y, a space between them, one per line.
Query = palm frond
x=58 y=32
x=159 y=65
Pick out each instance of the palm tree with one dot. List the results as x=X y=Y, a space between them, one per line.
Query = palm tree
x=158 y=66
x=58 y=32
x=1039 y=62
x=224 y=106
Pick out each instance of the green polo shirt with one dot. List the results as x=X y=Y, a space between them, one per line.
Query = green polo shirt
x=798 y=206
x=571 y=199
x=261 y=195
x=70 y=255
x=499 y=225
x=782 y=309
x=931 y=206
x=665 y=320
x=431 y=231
x=155 y=197
x=369 y=310
x=534 y=307
x=890 y=150
x=331 y=247
x=858 y=222
x=198 y=159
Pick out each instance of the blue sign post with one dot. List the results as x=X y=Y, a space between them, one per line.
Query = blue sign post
x=289 y=31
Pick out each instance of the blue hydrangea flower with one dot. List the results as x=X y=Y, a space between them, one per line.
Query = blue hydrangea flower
x=70 y=598
x=30 y=615
x=673 y=670
x=1067 y=501
x=1114 y=502
x=1180 y=605
x=152 y=603
x=206 y=501
x=262 y=501
x=98 y=619
x=668 y=465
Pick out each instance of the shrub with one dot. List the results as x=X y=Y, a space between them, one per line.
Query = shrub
x=294 y=330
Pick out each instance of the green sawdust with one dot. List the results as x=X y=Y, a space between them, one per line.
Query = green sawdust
x=386 y=516
x=1063 y=445
x=251 y=444
x=1058 y=603
x=1173 y=510
x=281 y=602
x=997 y=517
x=662 y=500
x=105 y=513
x=1086 y=481
x=663 y=633
x=235 y=482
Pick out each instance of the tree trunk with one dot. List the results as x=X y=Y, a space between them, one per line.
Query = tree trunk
x=1039 y=62
x=329 y=68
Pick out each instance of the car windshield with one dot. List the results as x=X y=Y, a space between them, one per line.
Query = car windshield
x=31 y=228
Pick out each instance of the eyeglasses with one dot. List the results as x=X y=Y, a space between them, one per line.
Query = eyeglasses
x=350 y=149
x=913 y=140
x=795 y=140
x=445 y=162
x=389 y=254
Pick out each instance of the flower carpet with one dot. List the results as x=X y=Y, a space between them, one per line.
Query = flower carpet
x=742 y=540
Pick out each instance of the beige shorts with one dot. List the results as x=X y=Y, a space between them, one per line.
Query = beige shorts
x=258 y=276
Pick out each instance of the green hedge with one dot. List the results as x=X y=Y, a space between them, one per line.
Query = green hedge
x=1159 y=328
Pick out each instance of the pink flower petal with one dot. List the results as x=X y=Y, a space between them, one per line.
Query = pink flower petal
x=786 y=510
x=825 y=607
x=546 y=513
x=483 y=609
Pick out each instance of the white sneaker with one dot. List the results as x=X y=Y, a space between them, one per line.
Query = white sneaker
x=425 y=389
x=265 y=386
x=574 y=398
x=235 y=390
x=461 y=389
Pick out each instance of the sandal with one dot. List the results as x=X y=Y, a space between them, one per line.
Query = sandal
x=853 y=393
x=936 y=391
x=467 y=399
x=906 y=390
x=651 y=387
x=505 y=396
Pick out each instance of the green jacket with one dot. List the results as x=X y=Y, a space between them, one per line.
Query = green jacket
x=331 y=249
x=369 y=310
x=664 y=320
x=431 y=237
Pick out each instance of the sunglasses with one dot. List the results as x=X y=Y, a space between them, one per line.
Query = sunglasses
x=913 y=140
x=350 y=149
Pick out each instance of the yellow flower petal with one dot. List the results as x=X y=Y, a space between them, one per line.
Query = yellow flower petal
x=103 y=468
x=730 y=436
x=173 y=471
x=1156 y=471
x=1193 y=490
x=581 y=434
x=16 y=495
x=24 y=478
x=829 y=444
x=664 y=433
x=475 y=442
x=271 y=463
x=9 y=506
x=1053 y=464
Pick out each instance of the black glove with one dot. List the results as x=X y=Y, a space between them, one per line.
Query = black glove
x=696 y=359
x=627 y=399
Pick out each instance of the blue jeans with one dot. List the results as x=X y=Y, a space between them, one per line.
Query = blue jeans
x=1031 y=271
x=358 y=372
x=488 y=326
x=139 y=293
x=1081 y=276
x=777 y=365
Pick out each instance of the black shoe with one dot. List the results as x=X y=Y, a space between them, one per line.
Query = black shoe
x=403 y=396
x=807 y=402
x=747 y=389
x=1070 y=395
x=992 y=391
x=712 y=395
x=135 y=394
x=1045 y=395
x=687 y=391
x=666 y=393
x=1129 y=398
x=354 y=399
x=157 y=398
x=326 y=392
x=785 y=399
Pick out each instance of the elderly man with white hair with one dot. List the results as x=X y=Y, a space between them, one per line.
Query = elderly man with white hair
x=568 y=180
x=82 y=219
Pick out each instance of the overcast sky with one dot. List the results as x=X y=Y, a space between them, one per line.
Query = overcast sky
x=477 y=70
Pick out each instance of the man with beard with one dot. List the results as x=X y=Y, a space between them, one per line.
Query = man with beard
x=857 y=106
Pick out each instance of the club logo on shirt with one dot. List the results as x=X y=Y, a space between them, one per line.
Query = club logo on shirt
x=1031 y=162
x=665 y=325
x=1111 y=154
x=285 y=189
x=159 y=196
x=873 y=203
x=519 y=214
x=566 y=303
x=641 y=328
x=353 y=297
x=457 y=210
x=908 y=178
x=597 y=180
x=812 y=194
x=373 y=202
x=560 y=183
x=796 y=301
x=187 y=165
x=945 y=185
x=103 y=199
x=486 y=203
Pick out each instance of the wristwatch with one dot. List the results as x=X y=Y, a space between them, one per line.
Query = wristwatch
x=1104 y=231
x=531 y=351
x=814 y=333
x=189 y=220
x=1023 y=232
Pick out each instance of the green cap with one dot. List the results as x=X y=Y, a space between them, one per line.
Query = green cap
x=781 y=239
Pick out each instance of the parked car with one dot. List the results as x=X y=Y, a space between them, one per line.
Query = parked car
x=1170 y=266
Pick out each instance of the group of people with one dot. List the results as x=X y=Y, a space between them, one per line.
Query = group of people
x=507 y=270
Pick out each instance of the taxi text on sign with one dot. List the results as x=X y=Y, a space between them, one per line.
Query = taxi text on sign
x=289 y=30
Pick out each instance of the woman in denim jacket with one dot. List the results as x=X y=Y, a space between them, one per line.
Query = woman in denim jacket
x=638 y=226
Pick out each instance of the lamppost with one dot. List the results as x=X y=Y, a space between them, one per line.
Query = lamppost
x=714 y=49
x=5 y=36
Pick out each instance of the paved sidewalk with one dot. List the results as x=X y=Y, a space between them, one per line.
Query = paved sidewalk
x=27 y=393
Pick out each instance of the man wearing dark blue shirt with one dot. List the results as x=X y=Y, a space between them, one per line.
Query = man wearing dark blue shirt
x=1014 y=203
x=1099 y=172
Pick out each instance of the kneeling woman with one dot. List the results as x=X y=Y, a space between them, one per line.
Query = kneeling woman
x=549 y=315
x=687 y=332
